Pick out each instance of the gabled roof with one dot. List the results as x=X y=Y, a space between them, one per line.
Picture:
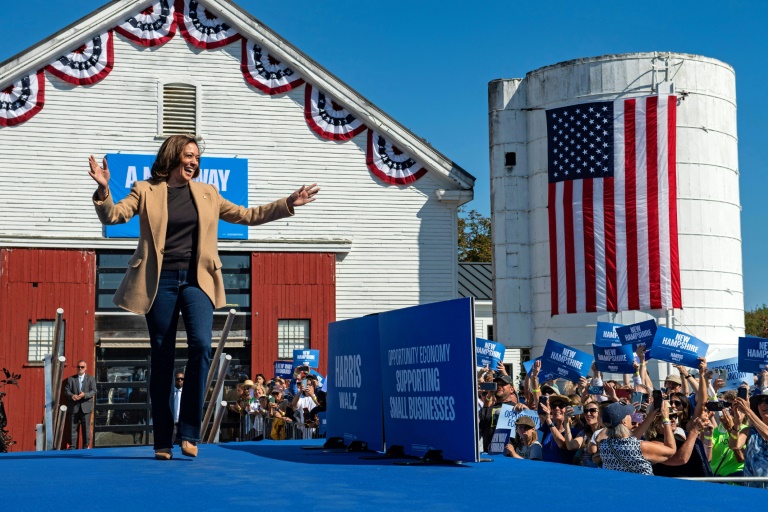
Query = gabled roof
x=117 y=11
x=476 y=280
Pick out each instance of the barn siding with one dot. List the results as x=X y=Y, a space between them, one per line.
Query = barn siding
x=33 y=284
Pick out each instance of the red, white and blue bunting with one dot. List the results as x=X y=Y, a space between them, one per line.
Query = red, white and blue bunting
x=22 y=99
x=201 y=27
x=153 y=26
x=389 y=164
x=327 y=118
x=265 y=72
x=88 y=64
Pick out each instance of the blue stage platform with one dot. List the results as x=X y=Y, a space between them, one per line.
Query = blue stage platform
x=283 y=476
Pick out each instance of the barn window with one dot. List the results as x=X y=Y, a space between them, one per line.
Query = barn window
x=41 y=340
x=291 y=335
x=179 y=108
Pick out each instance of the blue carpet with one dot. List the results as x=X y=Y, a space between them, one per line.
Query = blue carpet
x=280 y=475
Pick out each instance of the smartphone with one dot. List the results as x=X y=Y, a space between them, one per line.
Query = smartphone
x=657 y=398
x=742 y=393
x=488 y=386
x=596 y=390
x=303 y=368
x=714 y=406
x=637 y=397
x=303 y=383
x=271 y=399
x=577 y=409
x=543 y=400
x=624 y=393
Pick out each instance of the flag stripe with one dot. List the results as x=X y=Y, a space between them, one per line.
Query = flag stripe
x=652 y=194
x=570 y=271
x=611 y=278
x=552 y=209
x=631 y=204
x=641 y=205
x=562 y=304
x=677 y=298
x=578 y=243
x=589 y=246
x=663 y=213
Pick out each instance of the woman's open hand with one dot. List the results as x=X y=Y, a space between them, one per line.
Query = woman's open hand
x=306 y=194
x=99 y=174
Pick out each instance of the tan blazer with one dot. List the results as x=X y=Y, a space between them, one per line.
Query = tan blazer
x=149 y=200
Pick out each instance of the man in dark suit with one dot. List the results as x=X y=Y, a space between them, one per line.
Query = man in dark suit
x=80 y=390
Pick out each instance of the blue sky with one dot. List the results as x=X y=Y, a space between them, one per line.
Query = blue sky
x=428 y=63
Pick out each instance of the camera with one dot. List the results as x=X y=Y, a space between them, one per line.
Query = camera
x=714 y=406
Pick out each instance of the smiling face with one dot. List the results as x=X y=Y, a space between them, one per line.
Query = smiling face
x=762 y=408
x=190 y=162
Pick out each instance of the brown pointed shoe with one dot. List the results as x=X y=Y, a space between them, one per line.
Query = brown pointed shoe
x=188 y=449
x=163 y=454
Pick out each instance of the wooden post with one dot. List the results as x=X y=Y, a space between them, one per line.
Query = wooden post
x=60 y=427
x=219 y=349
x=57 y=346
x=217 y=421
x=57 y=375
x=48 y=415
x=216 y=391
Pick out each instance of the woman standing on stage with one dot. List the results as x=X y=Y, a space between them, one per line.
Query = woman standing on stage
x=176 y=269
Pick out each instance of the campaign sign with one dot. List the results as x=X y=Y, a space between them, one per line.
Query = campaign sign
x=605 y=334
x=735 y=376
x=638 y=334
x=499 y=441
x=565 y=362
x=228 y=175
x=306 y=357
x=489 y=353
x=354 y=402
x=284 y=369
x=753 y=354
x=616 y=359
x=542 y=376
x=429 y=380
x=508 y=418
x=677 y=347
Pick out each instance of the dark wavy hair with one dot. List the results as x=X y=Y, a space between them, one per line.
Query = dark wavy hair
x=169 y=156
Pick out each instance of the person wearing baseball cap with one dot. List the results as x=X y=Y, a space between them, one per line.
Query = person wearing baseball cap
x=489 y=413
x=621 y=451
x=525 y=445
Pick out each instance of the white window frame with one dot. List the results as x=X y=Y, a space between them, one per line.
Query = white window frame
x=42 y=343
x=287 y=344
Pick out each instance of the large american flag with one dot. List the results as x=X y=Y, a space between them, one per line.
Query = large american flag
x=613 y=206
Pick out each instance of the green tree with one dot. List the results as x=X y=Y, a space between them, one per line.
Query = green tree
x=756 y=322
x=474 y=236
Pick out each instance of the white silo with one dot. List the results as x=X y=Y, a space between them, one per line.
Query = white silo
x=708 y=209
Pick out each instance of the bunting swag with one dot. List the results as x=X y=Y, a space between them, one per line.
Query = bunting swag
x=327 y=118
x=265 y=72
x=23 y=99
x=153 y=26
x=201 y=27
x=88 y=64
x=389 y=164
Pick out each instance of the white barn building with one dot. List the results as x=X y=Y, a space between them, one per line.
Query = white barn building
x=381 y=236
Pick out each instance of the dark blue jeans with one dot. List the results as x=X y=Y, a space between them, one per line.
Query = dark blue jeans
x=176 y=295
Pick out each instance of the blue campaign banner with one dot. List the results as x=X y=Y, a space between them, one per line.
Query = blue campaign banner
x=228 y=175
x=732 y=374
x=429 y=379
x=284 y=369
x=678 y=347
x=499 y=441
x=489 y=353
x=606 y=336
x=542 y=376
x=354 y=401
x=306 y=357
x=564 y=362
x=753 y=354
x=616 y=359
x=638 y=334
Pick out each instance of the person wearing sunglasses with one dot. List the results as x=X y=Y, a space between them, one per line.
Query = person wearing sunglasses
x=525 y=445
x=555 y=429
x=80 y=389
x=587 y=427
x=754 y=434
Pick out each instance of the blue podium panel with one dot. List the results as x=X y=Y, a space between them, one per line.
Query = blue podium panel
x=429 y=380
x=354 y=409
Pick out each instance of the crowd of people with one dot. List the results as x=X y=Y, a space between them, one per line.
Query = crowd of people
x=688 y=427
x=279 y=408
